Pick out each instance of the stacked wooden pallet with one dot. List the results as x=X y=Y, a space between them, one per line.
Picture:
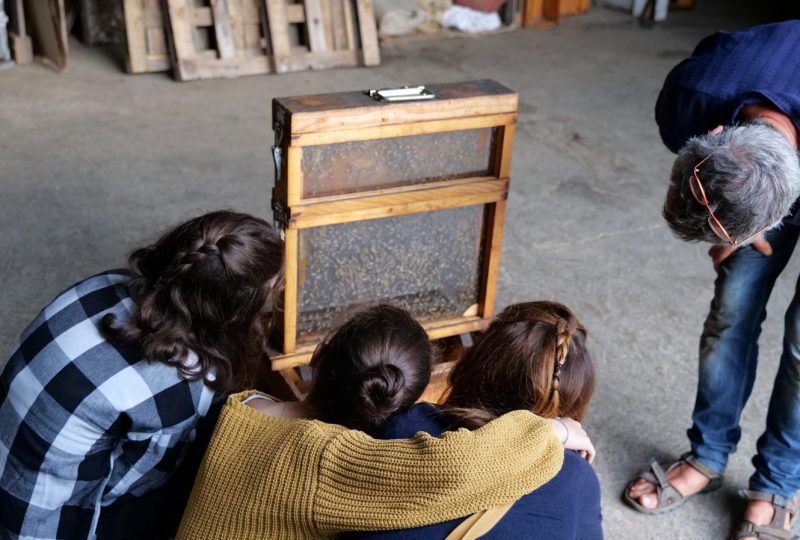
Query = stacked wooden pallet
x=202 y=39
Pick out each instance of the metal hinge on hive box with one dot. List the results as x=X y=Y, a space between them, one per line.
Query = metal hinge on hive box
x=391 y=201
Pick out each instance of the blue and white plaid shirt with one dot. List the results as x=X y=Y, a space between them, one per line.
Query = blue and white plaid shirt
x=83 y=421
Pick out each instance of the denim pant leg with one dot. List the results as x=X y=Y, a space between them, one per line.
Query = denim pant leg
x=777 y=462
x=729 y=345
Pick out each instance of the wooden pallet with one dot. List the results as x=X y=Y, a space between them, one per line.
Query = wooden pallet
x=221 y=39
x=147 y=40
x=232 y=38
x=338 y=33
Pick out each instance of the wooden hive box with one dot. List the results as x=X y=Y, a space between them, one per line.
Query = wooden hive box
x=383 y=201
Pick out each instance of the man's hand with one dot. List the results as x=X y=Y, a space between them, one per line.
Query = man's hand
x=720 y=252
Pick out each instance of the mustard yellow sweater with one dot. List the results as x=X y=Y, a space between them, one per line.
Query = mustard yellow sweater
x=271 y=478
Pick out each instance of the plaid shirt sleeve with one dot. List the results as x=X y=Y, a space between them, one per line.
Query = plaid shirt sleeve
x=83 y=422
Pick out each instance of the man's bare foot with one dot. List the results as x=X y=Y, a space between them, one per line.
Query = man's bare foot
x=686 y=479
x=761 y=513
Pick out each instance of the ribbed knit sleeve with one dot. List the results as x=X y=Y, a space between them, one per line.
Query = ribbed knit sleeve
x=368 y=484
x=275 y=478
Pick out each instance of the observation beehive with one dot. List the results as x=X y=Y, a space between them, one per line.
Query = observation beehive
x=397 y=196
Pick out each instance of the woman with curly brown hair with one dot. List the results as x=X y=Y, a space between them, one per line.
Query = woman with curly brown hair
x=102 y=397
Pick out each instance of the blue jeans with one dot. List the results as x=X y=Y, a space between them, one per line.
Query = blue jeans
x=728 y=361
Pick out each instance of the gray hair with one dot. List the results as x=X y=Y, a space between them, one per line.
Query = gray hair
x=751 y=182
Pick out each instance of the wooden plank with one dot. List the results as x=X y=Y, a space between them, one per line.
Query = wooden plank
x=48 y=31
x=20 y=41
x=279 y=34
x=540 y=13
x=291 y=255
x=294 y=171
x=491 y=257
x=369 y=33
x=385 y=191
x=295 y=13
x=16 y=14
x=504 y=148
x=296 y=385
x=438 y=385
x=182 y=24
x=573 y=7
x=146 y=37
x=435 y=330
x=351 y=110
x=338 y=34
x=327 y=24
x=378 y=206
x=202 y=16
x=239 y=26
x=495 y=219
x=213 y=68
x=22 y=48
x=136 y=36
x=302 y=60
x=403 y=130
x=315 y=28
x=349 y=25
x=222 y=29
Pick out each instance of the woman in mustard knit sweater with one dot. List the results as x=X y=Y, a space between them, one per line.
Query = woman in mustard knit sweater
x=273 y=470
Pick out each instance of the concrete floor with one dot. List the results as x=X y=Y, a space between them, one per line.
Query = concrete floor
x=94 y=162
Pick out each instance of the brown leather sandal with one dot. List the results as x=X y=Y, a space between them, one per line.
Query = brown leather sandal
x=774 y=530
x=669 y=498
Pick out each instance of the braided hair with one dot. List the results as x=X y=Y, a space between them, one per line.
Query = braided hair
x=533 y=356
x=203 y=287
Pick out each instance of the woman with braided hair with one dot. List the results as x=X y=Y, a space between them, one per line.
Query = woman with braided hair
x=103 y=397
x=532 y=357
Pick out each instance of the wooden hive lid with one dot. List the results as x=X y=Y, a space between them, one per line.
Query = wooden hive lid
x=354 y=110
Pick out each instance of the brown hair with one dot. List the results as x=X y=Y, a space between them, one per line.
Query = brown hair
x=203 y=287
x=533 y=356
x=376 y=364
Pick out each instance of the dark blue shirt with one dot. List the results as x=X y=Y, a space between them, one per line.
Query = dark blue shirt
x=726 y=71
x=566 y=508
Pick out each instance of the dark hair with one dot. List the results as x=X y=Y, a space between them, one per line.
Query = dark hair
x=377 y=363
x=203 y=287
x=533 y=356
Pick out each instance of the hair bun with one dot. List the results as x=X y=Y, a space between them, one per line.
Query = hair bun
x=383 y=387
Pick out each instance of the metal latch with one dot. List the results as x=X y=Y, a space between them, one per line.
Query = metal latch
x=402 y=93
x=279 y=212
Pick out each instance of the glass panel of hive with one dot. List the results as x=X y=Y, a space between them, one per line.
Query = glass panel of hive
x=348 y=167
x=428 y=263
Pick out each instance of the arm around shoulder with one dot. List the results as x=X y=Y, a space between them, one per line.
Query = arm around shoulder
x=391 y=484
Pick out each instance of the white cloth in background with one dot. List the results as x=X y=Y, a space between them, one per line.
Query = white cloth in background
x=399 y=17
x=470 y=20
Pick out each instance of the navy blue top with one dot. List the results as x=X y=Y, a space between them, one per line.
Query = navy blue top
x=726 y=71
x=565 y=508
